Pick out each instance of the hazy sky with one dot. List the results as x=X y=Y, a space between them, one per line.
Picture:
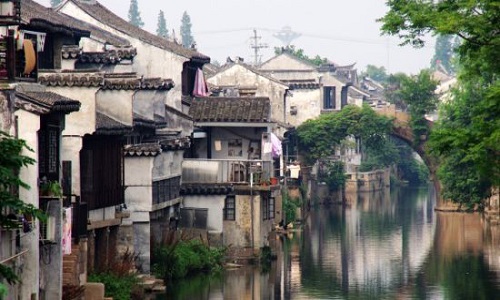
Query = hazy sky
x=343 y=31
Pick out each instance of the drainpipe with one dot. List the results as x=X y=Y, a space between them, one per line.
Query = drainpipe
x=251 y=209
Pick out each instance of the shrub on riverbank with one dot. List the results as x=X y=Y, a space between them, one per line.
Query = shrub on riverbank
x=185 y=258
x=120 y=287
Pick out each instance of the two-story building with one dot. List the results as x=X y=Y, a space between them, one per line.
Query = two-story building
x=229 y=180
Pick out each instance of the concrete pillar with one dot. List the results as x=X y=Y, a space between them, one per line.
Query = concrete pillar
x=30 y=276
x=51 y=257
x=70 y=150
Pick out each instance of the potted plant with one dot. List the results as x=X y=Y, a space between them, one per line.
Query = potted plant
x=51 y=188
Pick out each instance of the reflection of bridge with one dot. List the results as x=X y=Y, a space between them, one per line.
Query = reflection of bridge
x=402 y=130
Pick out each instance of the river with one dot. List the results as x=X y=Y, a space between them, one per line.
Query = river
x=384 y=245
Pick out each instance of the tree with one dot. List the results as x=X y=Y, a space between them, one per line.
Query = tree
x=187 y=37
x=319 y=137
x=444 y=54
x=299 y=53
x=162 y=30
x=11 y=207
x=418 y=93
x=392 y=90
x=134 y=16
x=467 y=136
x=376 y=73
x=55 y=3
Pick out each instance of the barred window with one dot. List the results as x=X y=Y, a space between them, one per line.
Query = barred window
x=230 y=208
x=166 y=190
x=268 y=203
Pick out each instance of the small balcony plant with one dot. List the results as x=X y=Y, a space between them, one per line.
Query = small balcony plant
x=51 y=188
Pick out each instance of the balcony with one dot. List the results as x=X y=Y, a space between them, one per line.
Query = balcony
x=224 y=171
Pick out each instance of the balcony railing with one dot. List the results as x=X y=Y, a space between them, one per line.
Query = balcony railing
x=226 y=171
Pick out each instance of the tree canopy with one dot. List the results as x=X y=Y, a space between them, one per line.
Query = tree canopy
x=161 y=29
x=444 y=54
x=134 y=16
x=467 y=136
x=319 y=137
x=299 y=53
x=376 y=73
x=418 y=93
x=186 y=35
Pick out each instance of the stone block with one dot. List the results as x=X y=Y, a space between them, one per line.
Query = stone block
x=94 y=291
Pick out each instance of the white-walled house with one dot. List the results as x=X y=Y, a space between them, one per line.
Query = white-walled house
x=156 y=56
x=147 y=113
x=228 y=181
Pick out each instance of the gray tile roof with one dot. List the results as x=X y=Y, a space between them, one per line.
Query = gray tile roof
x=107 y=125
x=149 y=149
x=104 y=15
x=40 y=16
x=215 y=109
x=52 y=101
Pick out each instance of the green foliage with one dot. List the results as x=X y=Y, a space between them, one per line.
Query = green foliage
x=376 y=73
x=266 y=258
x=55 y=3
x=299 y=53
x=334 y=175
x=319 y=137
x=467 y=140
x=134 y=16
x=290 y=206
x=3 y=291
x=120 y=287
x=186 y=258
x=467 y=137
x=410 y=169
x=161 y=29
x=51 y=188
x=444 y=55
x=392 y=90
x=418 y=94
x=186 y=35
x=11 y=161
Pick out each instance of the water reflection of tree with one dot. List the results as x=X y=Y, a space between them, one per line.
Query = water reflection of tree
x=329 y=269
x=457 y=263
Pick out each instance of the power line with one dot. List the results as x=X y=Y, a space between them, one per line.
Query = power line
x=256 y=46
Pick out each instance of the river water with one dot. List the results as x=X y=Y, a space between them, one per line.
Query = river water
x=384 y=245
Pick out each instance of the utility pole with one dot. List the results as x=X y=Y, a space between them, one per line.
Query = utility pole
x=256 y=46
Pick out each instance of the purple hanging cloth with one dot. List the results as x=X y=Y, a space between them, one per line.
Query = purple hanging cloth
x=200 y=86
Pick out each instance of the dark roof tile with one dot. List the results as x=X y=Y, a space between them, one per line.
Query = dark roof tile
x=215 y=109
x=149 y=149
x=107 y=125
x=52 y=101
x=104 y=15
x=45 y=17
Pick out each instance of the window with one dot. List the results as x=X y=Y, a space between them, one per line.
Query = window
x=48 y=145
x=193 y=218
x=101 y=171
x=167 y=189
x=329 y=97
x=267 y=207
x=230 y=208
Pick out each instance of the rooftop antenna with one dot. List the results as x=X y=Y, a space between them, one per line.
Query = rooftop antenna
x=286 y=35
x=256 y=46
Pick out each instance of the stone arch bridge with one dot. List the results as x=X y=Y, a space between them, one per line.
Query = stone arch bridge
x=402 y=130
